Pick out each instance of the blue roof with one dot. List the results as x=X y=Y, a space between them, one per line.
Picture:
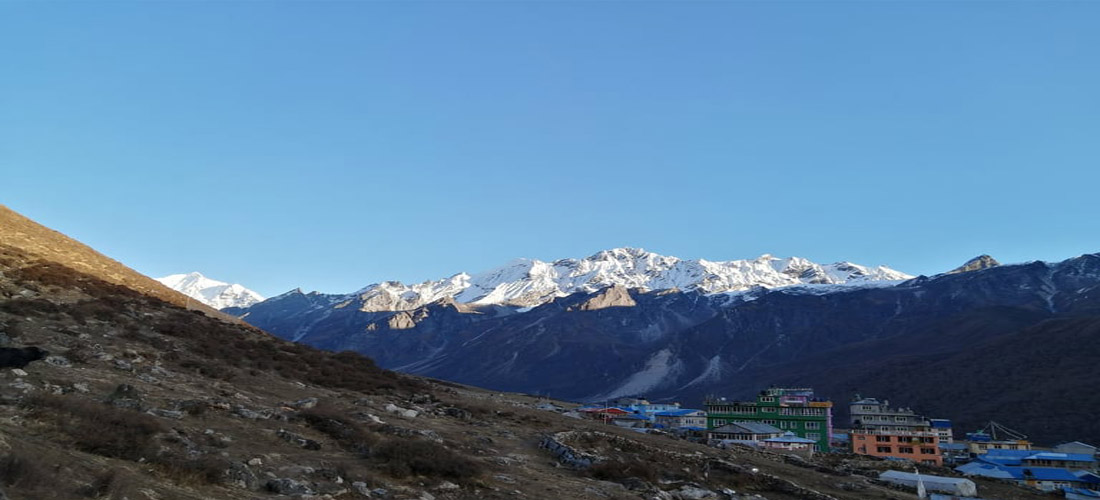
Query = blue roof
x=1062 y=457
x=982 y=469
x=676 y=413
x=941 y=423
x=1045 y=474
x=953 y=446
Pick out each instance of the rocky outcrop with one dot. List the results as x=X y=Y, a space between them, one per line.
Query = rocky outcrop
x=976 y=264
x=613 y=296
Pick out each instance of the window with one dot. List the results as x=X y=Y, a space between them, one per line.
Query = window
x=813 y=425
x=899 y=419
x=905 y=449
x=899 y=428
x=927 y=451
x=882 y=439
x=767 y=399
x=768 y=410
x=769 y=422
x=885 y=449
x=813 y=435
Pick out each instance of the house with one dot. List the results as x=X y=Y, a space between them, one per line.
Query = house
x=789 y=443
x=751 y=433
x=1043 y=470
x=981 y=442
x=918 y=446
x=880 y=430
x=942 y=426
x=601 y=413
x=950 y=485
x=678 y=419
x=630 y=420
x=954 y=453
x=788 y=409
x=1076 y=447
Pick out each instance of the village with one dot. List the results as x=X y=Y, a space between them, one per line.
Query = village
x=794 y=421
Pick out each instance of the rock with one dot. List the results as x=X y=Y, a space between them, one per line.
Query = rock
x=5 y=340
x=504 y=478
x=404 y=412
x=458 y=413
x=426 y=496
x=122 y=364
x=241 y=476
x=255 y=462
x=421 y=399
x=382 y=492
x=304 y=404
x=21 y=385
x=160 y=372
x=243 y=412
x=361 y=488
x=59 y=361
x=81 y=387
x=174 y=414
x=126 y=396
x=375 y=419
x=447 y=486
x=293 y=438
x=19 y=372
x=692 y=492
x=148 y=379
x=287 y=486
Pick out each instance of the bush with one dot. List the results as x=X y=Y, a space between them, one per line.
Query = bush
x=619 y=471
x=349 y=434
x=405 y=457
x=19 y=471
x=98 y=428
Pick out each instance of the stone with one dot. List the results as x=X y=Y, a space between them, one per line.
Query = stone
x=19 y=372
x=447 y=486
x=61 y=361
x=122 y=364
x=692 y=492
x=126 y=396
x=173 y=414
x=361 y=488
x=81 y=387
x=293 y=438
x=404 y=412
x=241 y=476
x=255 y=462
x=304 y=404
x=287 y=486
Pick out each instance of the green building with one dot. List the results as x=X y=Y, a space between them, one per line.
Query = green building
x=794 y=410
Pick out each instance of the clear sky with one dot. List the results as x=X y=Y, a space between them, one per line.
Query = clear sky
x=329 y=145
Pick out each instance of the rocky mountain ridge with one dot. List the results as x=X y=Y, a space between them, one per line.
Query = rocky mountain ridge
x=532 y=282
x=214 y=293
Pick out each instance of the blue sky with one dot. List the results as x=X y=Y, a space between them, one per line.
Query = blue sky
x=329 y=145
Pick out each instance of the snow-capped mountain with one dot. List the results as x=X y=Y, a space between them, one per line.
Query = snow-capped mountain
x=214 y=293
x=530 y=282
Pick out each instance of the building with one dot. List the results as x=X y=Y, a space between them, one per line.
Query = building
x=980 y=442
x=918 y=446
x=789 y=443
x=750 y=433
x=942 y=426
x=795 y=410
x=951 y=485
x=880 y=430
x=1076 y=447
x=680 y=419
x=872 y=414
x=1047 y=471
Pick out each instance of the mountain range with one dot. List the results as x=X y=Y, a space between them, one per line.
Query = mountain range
x=214 y=293
x=958 y=345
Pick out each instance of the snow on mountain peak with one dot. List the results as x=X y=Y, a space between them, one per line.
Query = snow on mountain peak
x=530 y=282
x=214 y=293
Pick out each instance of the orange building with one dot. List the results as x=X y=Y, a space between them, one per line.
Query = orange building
x=918 y=446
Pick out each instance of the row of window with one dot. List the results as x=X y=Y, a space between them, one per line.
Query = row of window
x=904 y=439
x=906 y=449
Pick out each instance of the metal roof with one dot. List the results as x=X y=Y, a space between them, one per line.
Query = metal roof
x=747 y=428
x=1065 y=457
x=678 y=413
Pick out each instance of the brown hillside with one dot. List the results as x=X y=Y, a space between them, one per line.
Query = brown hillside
x=34 y=239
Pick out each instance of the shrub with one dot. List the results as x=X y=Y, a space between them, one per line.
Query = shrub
x=349 y=434
x=405 y=457
x=20 y=471
x=98 y=428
